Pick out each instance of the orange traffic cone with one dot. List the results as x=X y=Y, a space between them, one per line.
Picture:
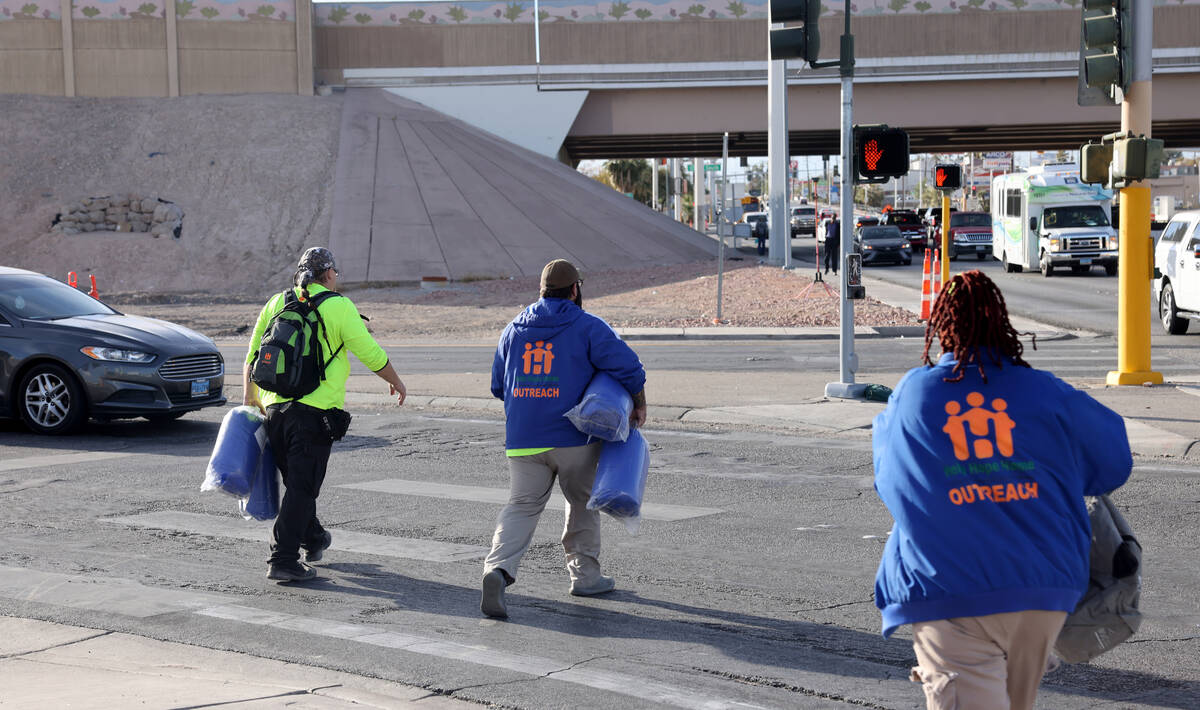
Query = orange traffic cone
x=937 y=272
x=94 y=293
x=926 y=288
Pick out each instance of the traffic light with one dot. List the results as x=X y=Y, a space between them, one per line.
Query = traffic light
x=880 y=153
x=1107 y=30
x=1094 y=159
x=947 y=177
x=795 y=42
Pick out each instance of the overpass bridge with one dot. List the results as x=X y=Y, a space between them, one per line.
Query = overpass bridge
x=666 y=78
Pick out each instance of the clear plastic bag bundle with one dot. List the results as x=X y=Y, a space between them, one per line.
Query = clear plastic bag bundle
x=235 y=456
x=604 y=410
x=621 y=480
x=263 y=501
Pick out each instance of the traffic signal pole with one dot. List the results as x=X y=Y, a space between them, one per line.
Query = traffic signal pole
x=846 y=388
x=1135 y=248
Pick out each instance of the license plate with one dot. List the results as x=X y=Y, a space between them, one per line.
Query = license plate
x=199 y=388
x=1085 y=262
x=981 y=248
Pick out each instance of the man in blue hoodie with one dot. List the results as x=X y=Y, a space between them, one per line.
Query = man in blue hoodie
x=983 y=463
x=544 y=362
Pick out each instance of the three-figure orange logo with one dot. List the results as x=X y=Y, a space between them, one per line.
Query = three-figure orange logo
x=538 y=358
x=990 y=431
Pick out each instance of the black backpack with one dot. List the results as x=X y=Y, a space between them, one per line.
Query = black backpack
x=289 y=361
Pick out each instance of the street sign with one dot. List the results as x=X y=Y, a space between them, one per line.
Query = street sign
x=713 y=168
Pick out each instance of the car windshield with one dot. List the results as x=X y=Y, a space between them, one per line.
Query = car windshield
x=756 y=218
x=43 y=298
x=872 y=233
x=804 y=211
x=1075 y=216
x=905 y=219
x=970 y=220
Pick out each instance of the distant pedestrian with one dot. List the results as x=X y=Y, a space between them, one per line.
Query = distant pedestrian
x=760 y=236
x=544 y=361
x=302 y=430
x=983 y=463
x=833 y=244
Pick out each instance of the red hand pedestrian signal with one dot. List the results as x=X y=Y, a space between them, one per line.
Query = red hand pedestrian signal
x=947 y=177
x=872 y=153
x=880 y=153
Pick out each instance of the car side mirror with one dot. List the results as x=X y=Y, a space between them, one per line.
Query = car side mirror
x=1033 y=224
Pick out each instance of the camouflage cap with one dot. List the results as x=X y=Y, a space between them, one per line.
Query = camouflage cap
x=317 y=260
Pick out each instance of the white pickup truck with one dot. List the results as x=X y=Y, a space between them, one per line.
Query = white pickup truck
x=1177 y=257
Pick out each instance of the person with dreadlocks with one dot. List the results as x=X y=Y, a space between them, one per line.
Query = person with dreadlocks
x=983 y=463
x=302 y=430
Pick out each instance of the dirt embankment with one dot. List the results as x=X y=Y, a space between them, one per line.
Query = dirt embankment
x=252 y=174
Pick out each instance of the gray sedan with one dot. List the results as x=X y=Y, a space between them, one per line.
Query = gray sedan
x=65 y=356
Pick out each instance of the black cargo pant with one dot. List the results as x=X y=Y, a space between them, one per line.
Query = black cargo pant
x=301 y=449
x=833 y=253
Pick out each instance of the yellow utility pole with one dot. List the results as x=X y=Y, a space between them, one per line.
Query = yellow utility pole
x=1135 y=247
x=945 y=237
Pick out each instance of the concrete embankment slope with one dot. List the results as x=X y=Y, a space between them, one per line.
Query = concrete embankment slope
x=421 y=194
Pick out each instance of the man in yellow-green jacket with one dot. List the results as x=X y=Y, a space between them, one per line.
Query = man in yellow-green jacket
x=302 y=431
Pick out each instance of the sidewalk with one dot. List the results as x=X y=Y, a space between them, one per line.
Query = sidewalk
x=48 y=665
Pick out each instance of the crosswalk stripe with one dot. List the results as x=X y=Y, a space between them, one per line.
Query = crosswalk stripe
x=60 y=460
x=427 y=489
x=343 y=540
x=113 y=595
x=624 y=684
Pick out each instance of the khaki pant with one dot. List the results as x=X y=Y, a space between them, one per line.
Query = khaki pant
x=992 y=662
x=532 y=480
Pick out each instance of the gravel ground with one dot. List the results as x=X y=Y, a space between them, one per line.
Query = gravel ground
x=671 y=296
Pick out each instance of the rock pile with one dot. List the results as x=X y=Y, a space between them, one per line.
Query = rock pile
x=130 y=213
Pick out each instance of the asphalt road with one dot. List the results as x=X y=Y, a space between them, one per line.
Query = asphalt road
x=749 y=584
x=1067 y=300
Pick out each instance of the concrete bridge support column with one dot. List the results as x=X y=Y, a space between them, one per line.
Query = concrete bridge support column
x=68 y=47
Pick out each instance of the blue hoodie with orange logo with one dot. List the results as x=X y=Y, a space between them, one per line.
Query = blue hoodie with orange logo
x=985 y=483
x=544 y=361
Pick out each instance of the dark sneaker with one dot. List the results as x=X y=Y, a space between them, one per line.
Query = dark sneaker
x=314 y=554
x=492 y=601
x=599 y=585
x=290 y=572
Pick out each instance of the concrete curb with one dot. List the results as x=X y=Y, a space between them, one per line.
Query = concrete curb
x=821 y=416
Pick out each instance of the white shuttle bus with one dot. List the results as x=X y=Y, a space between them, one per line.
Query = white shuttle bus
x=1046 y=218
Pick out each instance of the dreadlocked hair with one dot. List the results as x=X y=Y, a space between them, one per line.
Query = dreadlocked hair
x=970 y=318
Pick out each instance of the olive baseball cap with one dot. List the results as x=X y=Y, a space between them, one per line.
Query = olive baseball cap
x=559 y=273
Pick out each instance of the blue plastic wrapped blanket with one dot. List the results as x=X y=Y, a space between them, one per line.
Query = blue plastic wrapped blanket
x=236 y=454
x=604 y=410
x=621 y=479
x=263 y=501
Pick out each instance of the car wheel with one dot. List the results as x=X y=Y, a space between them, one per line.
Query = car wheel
x=908 y=262
x=1008 y=268
x=1169 y=313
x=1046 y=266
x=51 y=401
x=981 y=256
x=1110 y=269
x=953 y=255
x=1080 y=269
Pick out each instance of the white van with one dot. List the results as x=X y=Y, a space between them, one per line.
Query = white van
x=1177 y=256
x=1046 y=218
